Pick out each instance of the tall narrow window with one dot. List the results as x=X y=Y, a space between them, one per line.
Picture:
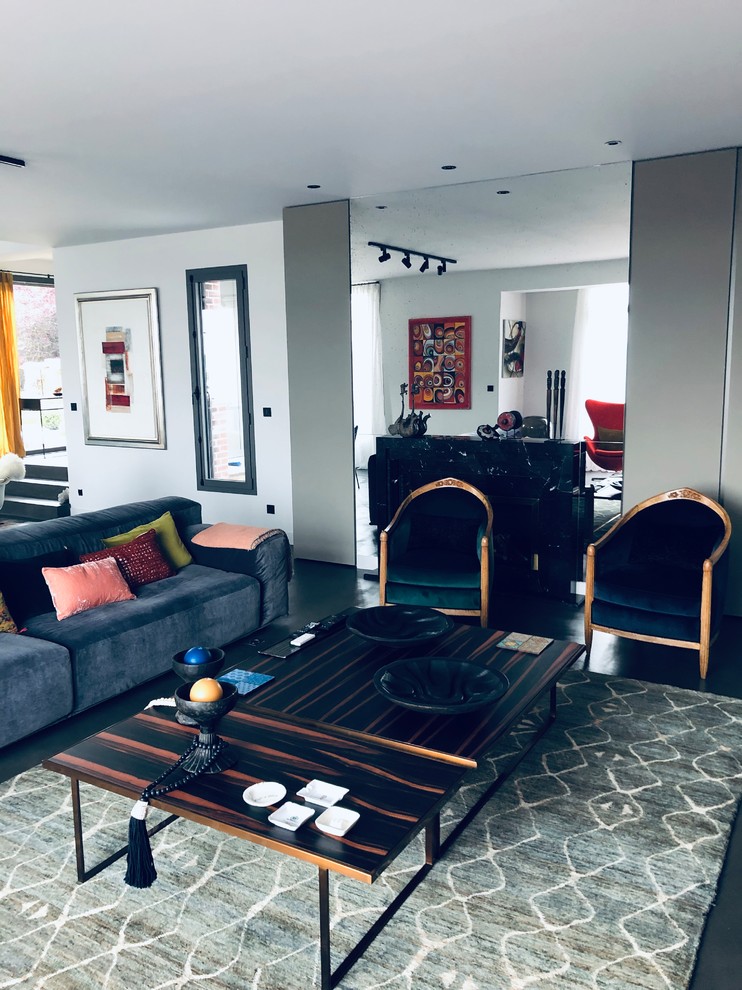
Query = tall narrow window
x=222 y=385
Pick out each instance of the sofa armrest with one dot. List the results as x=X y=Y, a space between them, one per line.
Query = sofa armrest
x=269 y=563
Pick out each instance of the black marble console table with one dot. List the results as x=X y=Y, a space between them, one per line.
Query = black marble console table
x=543 y=513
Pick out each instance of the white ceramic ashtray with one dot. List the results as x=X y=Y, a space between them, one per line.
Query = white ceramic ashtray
x=291 y=815
x=320 y=792
x=337 y=821
x=263 y=793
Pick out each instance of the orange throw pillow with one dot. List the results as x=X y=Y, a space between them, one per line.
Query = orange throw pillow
x=83 y=586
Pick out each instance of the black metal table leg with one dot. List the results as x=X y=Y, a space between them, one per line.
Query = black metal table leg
x=330 y=979
x=82 y=873
x=326 y=981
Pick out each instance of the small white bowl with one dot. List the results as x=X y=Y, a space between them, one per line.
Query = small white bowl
x=264 y=793
x=322 y=793
x=337 y=821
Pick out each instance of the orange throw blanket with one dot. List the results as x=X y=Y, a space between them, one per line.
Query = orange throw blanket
x=234 y=536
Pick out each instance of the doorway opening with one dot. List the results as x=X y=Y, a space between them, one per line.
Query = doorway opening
x=37 y=337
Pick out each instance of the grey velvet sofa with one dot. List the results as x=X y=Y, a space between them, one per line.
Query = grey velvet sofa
x=56 y=668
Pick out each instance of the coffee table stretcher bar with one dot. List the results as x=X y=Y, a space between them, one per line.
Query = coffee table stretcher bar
x=397 y=794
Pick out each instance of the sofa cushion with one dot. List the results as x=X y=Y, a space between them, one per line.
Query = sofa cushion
x=23 y=585
x=42 y=695
x=141 y=560
x=84 y=531
x=170 y=542
x=115 y=647
x=85 y=586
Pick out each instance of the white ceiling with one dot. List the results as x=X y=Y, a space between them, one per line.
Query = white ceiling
x=152 y=117
x=545 y=219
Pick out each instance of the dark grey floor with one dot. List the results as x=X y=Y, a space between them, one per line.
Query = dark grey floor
x=320 y=589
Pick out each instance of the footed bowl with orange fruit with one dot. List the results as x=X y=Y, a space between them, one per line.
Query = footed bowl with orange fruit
x=212 y=700
x=209 y=753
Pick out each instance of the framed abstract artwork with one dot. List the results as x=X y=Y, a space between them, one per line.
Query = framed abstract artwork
x=120 y=369
x=513 y=348
x=440 y=362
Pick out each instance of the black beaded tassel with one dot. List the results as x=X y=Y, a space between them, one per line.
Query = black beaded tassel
x=140 y=866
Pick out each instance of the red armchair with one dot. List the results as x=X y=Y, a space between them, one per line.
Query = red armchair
x=606 y=447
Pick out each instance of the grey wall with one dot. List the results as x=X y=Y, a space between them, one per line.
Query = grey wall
x=731 y=475
x=317 y=272
x=681 y=244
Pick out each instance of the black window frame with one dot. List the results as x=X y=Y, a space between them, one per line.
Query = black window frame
x=195 y=278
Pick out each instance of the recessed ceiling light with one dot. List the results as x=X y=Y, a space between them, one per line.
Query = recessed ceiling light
x=313 y=185
x=612 y=143
x=17 y=162
x=503 y=192
x=448 y=168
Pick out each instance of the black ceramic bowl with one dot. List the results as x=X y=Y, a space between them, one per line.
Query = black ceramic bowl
x=399 y=625
x=206 y=712
x=195 y=671
x=440 y=685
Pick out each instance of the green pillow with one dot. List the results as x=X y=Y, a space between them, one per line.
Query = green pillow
x=167 y=536
x=609 y=436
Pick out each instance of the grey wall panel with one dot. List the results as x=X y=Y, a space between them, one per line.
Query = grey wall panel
x=317 y=269
x=731 y=477
x=681 y=241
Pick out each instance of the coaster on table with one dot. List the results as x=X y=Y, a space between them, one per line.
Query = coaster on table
x=320 y=792
x=525 y=643
x=291 y=815
x=246 y=680
x=337 y=821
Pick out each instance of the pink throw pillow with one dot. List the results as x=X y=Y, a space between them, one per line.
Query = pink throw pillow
x=141 y=561
x=83 y=586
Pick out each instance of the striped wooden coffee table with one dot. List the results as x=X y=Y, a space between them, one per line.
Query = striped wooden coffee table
x=396 y=793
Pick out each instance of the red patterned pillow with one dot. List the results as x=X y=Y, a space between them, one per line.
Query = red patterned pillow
x=141 y=561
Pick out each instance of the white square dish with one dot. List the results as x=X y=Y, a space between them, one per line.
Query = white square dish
x=337 y=821
x=291 y=815
x=322 y=793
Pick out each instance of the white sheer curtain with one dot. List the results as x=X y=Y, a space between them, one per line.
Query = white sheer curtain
x=598 y=365
x=368 y=383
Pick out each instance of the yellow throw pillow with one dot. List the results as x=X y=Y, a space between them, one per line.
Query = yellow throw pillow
x=6 y=619
x=609 y=436
x=167 y=536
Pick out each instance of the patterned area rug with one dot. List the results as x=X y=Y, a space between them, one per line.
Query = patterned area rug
x=594 y=867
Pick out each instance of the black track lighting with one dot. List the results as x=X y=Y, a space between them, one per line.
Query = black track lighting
x=407 y=254
x=16 y=162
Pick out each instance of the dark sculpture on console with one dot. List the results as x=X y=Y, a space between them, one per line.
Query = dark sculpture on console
x=412 y=425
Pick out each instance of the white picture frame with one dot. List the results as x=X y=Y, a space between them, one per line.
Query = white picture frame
x=120 y=368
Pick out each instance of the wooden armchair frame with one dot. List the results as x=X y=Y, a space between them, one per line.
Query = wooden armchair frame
x=484 y=562
x=703 y=644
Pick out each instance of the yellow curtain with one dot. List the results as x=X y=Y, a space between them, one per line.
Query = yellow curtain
x=10 y=385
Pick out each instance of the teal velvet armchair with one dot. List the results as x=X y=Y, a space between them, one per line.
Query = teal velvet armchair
x=437 y=550
x=660 y=573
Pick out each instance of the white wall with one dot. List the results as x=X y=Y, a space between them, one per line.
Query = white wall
x=112 y=475
x=478 y=294
x=550 y=325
